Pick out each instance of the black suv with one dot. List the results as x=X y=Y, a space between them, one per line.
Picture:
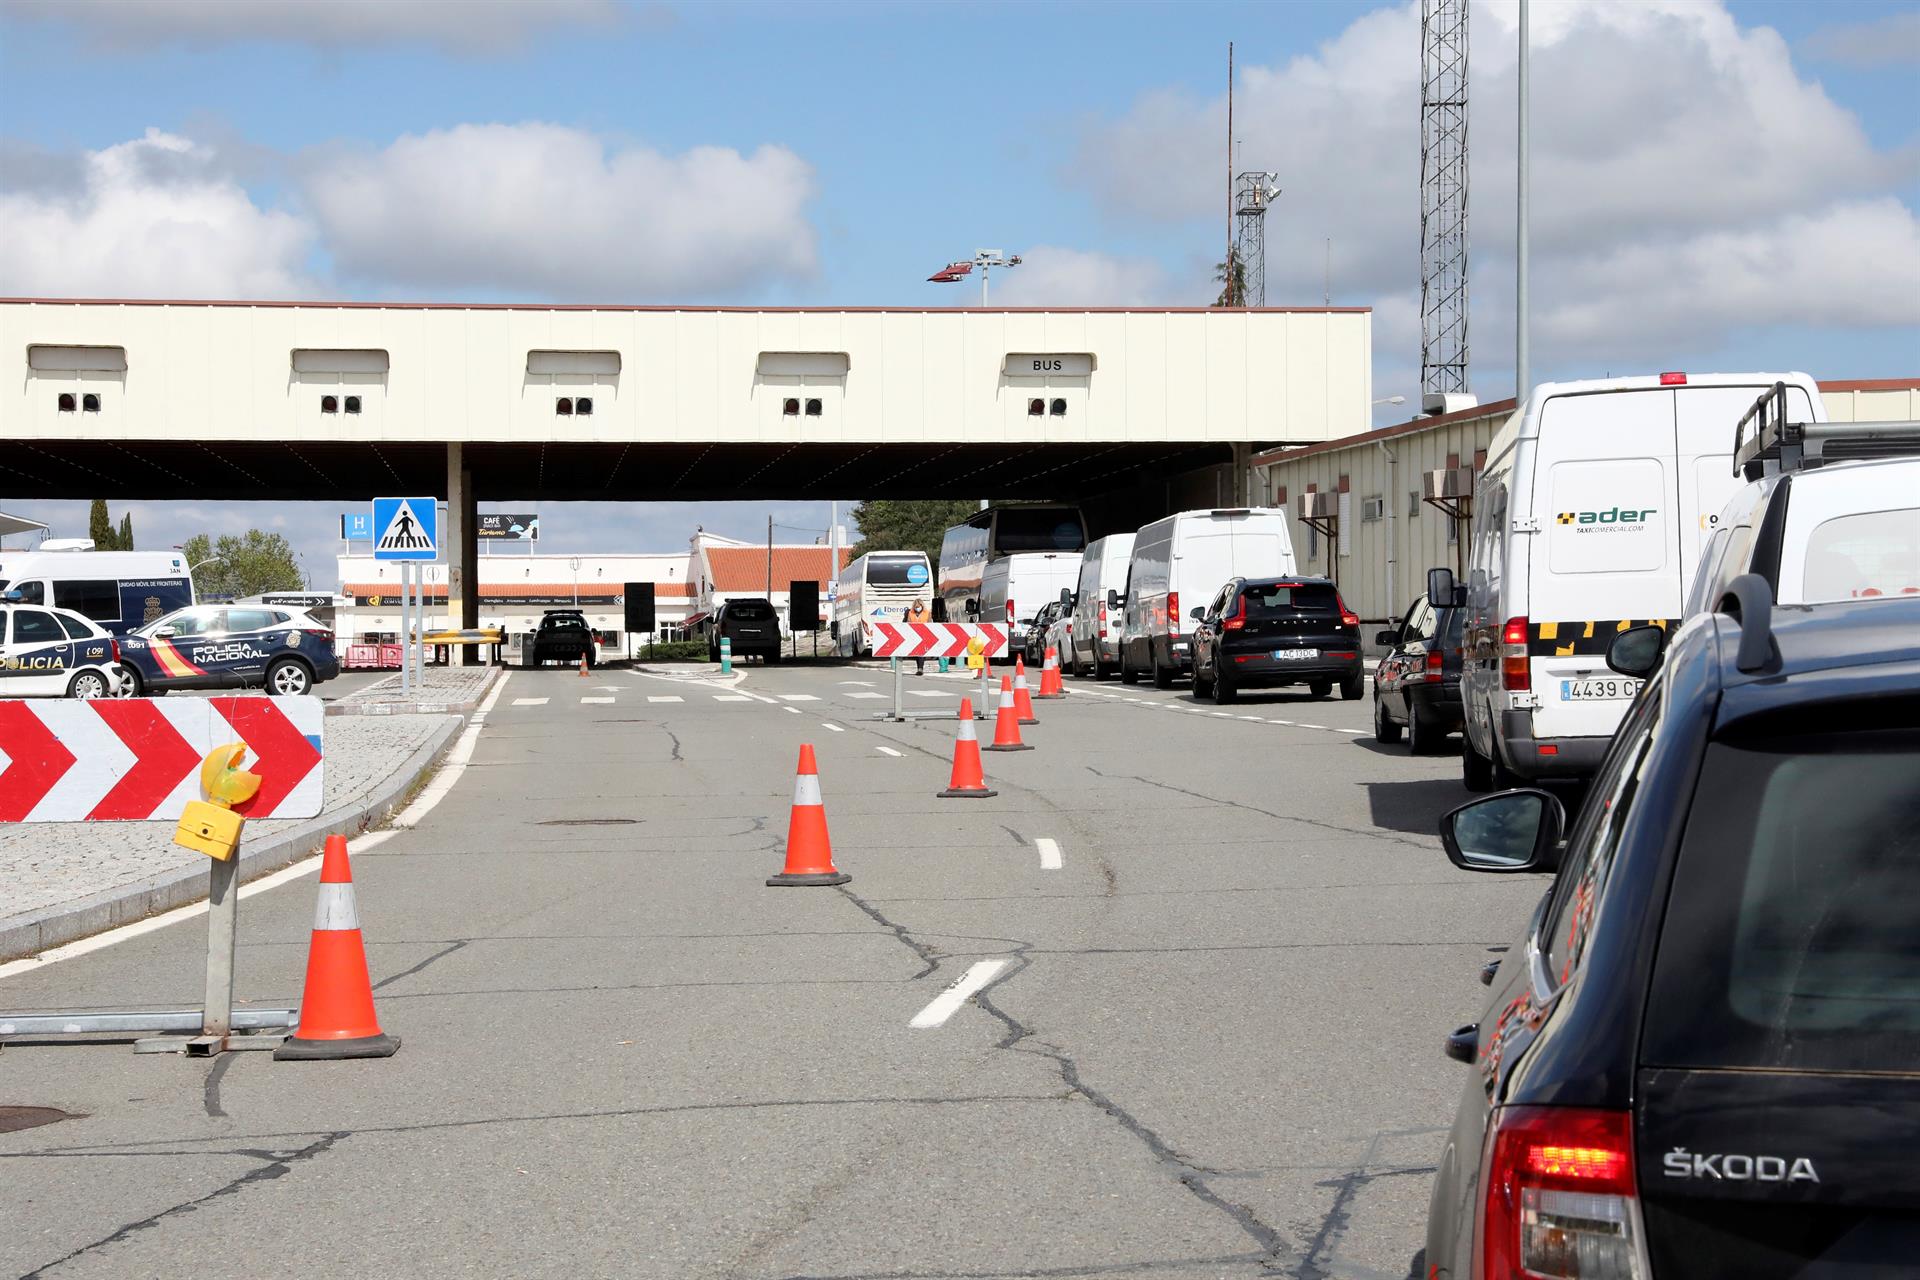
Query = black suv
x=1416 y=687
x=564 y=636
x=1703 y=1059
x=750 y=624
x=1261 y=633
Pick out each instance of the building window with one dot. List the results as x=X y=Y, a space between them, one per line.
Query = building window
x=813 y=408
x=90 y=403
x=583 y=405
x=1413 y=506
x=790 y=408
x=1058 y=409
x=564 y=406
x=67 y=402
x=1372 y=509
x=329 y=404
x=1036 y=408
x=353 y=404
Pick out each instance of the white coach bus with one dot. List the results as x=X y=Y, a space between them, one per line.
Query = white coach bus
x=877 y=587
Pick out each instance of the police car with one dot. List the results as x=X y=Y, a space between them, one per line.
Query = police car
x=211 y=646
x=54 y=653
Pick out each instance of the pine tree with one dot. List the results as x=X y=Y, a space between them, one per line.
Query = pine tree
x=126 y=532
x=100 y=527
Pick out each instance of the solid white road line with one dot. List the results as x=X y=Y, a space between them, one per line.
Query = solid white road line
x=949 y=1001
x=665 y=697
x=595 y=700
x=1049 y=853
x=529 y=702
x=452 y=766
x=833 y=727
x=888 y=751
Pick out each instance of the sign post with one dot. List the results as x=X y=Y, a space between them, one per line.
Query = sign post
x=407 y=530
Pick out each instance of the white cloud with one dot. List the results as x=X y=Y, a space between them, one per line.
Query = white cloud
x=462 y=26
x=1892 y=41
x=153 y=217
x=549 y=210
x=1687 y=182
x=1052 y=276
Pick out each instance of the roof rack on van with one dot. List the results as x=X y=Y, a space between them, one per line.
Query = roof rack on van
x=1778 y=445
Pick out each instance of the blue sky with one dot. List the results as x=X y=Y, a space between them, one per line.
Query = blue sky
x=1716 y=185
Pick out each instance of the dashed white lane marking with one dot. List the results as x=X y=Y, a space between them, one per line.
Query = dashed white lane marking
x=948 y=1002
x=1279 y=722
x=1316 y=726
x=832 y=728
x=665 y=697
x=731 y=697
x=1255 y=719
x=595 y=700
x=881 y=696
x=1227 y=714
x=888 y=751
x=795 y=710
x=927 y=693
x=798 y=697
x=529 y=702
x=1049 y=853
x=867 y=683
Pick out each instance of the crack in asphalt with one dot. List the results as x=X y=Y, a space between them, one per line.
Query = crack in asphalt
x=928 y=956
x=275 y=1164
x=1376 y=833
x=1334 y=1223
x=674 y=738
x=210 y=1091
x=441 y=954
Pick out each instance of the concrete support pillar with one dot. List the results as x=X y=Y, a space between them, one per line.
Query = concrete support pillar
x=1242 y=469
x=463 y=551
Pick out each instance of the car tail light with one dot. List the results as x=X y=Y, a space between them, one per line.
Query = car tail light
x=1673 y=379
x=1173 y=612
x=1348 y=618
x=115 y=642
x=1559 y=1201
x=1434 y=664
x=1238 y=621
x=1516 y=671
x=1009 y=610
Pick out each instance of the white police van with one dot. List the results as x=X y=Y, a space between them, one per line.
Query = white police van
x=1588 y=518
x=119 y=590
x=55 y=653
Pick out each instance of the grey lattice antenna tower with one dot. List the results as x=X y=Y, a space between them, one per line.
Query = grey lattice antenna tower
x=1252 y=193
x=1443 y=196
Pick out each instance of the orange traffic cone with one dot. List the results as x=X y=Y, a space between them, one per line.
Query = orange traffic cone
x=583 y=665
x=1006 y=724
x=968 y=779
x=1022 y=699
x=809 y=852
x=1050 y=685
x=336 y=1011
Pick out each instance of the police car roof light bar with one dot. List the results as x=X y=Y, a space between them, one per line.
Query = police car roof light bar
x=1778 y=445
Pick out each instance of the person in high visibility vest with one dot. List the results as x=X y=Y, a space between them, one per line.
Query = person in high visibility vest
x=918 y=612
x=977 y=656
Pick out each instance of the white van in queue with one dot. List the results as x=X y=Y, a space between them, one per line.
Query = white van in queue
x=1014 y=588
x=1589 y=516
x=119 y=590
x=1182 y=561
x=1831 y=511
x=1095 y=648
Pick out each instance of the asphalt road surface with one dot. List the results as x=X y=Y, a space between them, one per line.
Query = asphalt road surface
x=1211 y=1046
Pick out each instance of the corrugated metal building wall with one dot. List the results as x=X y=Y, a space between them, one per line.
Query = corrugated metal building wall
x=1390 y=538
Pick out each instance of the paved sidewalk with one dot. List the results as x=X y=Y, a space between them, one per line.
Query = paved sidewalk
x=440 y=689
x=46 y=866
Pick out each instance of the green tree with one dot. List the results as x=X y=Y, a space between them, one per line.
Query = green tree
x=100 y=527
x=1231 y=276
x=887 y=525
x=242 y=565
x=126 y=531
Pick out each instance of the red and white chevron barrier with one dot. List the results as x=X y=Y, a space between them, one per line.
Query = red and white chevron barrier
x=935 y=639
x=133 y=759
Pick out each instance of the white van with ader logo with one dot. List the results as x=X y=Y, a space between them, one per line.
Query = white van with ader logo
x=1589 y=517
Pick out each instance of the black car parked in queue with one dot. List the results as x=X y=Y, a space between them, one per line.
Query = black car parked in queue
x=1416 y=687
x=562 y=636
x=1703 y=1058
x=1264 y=633
x=750 y=624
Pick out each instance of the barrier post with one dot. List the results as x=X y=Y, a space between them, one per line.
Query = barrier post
x=223 y=914
x=726 y=656
x=896 y=690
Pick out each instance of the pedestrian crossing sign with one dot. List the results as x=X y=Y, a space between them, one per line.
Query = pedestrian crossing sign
x=406 y=529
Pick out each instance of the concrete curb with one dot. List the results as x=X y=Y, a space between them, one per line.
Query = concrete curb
x=466 y=708
x=32 y=932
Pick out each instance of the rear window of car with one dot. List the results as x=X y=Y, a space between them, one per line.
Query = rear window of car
x=1453 y=627
x=1270 y=599
x=897 y=573
x=560 y=622
x=74 y=627
x=1037 y=529
x=1791 y=940
x=1860 y=556
x=749 y=612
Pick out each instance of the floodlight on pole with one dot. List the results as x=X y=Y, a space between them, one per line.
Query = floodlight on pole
x=985 y=259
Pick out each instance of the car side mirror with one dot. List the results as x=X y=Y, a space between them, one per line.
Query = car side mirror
x=1511 y=831
x=1443 y=591
x=1113 y=598
x=1066 y=598
x=973 y=606
x=1197 y=613
x=1637 y=651
x=1387 y=639
x=165 y=633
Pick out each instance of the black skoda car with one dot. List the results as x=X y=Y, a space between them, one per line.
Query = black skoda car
x=1262 y=633
x=1702 y=1059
